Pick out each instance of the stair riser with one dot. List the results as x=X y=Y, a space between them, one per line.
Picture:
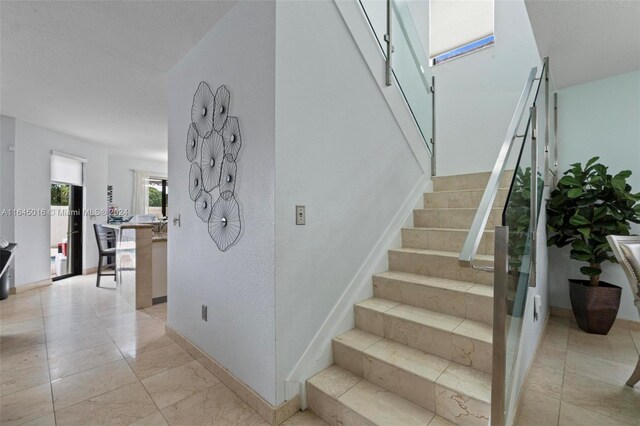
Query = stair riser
x=471 y=181
x=467 y=199
x=437 y=266
x=416 y=389
x=479 y=308
x=445 y=240
x=464 y=305
x=361 y=405
x=443 y=343
x=460 y=409
x=453 y=406
x=453 y=218
x=419 y=390
x=461 y=349
x=323 y=405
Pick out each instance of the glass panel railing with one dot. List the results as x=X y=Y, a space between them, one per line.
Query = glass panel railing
x=520 y=215
x=411 y=69
x=376 y=13
x=410 y=65
x=517 y=217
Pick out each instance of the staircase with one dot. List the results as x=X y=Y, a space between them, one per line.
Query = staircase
x=421 y=350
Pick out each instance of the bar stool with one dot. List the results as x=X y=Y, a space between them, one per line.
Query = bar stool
x=106 y=240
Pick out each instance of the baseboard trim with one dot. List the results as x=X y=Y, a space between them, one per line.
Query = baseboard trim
x=620 y=323
x=90 y=271
x=315 y=358
x=30 y=286
x=273 y=415
x=161 y=299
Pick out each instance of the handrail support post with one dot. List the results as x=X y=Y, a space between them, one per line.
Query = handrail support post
x=432 y=89
x=389 y=41
x=533 y=220
x=501 y=275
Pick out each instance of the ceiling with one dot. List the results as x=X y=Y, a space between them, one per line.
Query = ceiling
x=98 y=70
x=587 y=40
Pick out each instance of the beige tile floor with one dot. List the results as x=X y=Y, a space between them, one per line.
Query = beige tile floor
x=578 y=379
x=74 y=354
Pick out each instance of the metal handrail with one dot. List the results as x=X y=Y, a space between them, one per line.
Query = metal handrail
x=470 y=247
x=499 y=408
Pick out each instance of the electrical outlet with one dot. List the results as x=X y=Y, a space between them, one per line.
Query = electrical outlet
x=204 y=312
x=300 y=215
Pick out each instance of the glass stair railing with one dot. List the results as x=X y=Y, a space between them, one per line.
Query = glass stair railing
x=528 y=157
x=407 y=64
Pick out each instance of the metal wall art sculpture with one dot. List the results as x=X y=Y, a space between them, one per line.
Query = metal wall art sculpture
x=212 y=178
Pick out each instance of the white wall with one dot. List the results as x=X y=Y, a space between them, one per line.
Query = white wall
x=600 y=118
x=339 y=152
x=477 y=94
x=238 y=285
x=33 y=179
x=120 y=177
x=532 y=328
x=7 y=177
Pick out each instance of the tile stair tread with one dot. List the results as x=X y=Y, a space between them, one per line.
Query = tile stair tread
x=377 y=304
x=484 y=257
x=475 y=174
x=456 y=377
x=382 y=407
x=358 y=339
x=411 y=360
x=425 y=317
x=481 y=290
x=334 y=381
x=462 y=191
x=427 y=281
x=418 y=228
x=495 y=209
x=453 y=324
x=479 y=176
x=370 y=401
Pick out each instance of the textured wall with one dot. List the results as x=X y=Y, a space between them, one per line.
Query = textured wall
x=238 y=285
x=33 y=191
x=598 y=119
x=340 y=152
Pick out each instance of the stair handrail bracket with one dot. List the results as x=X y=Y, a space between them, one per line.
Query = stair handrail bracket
x=471 y=243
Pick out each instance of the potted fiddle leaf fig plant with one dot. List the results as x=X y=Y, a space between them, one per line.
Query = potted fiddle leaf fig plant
x=588 y=205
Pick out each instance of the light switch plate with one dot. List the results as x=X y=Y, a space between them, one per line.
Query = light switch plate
x=204 y=312
x=301 y=216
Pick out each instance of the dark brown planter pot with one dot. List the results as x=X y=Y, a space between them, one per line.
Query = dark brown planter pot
x=595 y=308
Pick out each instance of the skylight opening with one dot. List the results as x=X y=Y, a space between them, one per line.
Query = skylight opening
x=459 y=27
x=464 y=50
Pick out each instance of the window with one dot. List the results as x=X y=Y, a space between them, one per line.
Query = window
x=158 y=197
x=459 y=27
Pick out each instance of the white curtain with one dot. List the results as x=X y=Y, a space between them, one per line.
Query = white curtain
x=140 y=203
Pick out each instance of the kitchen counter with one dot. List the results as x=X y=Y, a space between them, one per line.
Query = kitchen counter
x=141 y=263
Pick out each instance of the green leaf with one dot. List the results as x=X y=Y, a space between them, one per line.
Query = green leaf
x=590 y=162
x=619 y=183
x=581 y=246
x=599 y=213
x=590 y=271
x=581 y=256
x=578 y=220
x=586 y=232
x=569 y=181
x=575 y=193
